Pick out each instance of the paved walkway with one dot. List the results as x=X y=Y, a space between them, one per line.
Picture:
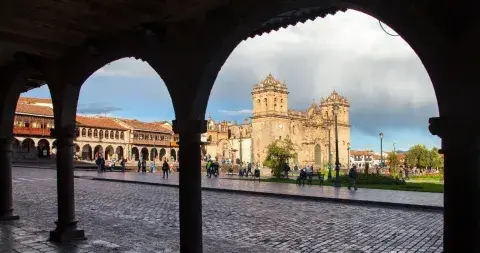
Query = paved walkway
x=362 y=196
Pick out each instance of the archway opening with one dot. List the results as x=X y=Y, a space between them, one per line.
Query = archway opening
x=119 y=152
x=162 y=154
x=173 y=155
x=135 y=154
x=318 y=156
x=98 y=151
x=153 y=154
x=109 y=152
x=87 y=152
x=144 y=153
x=43 y=148
x=28 y=145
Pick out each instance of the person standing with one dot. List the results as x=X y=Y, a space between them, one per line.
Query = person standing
x=152 y=167
x=139 y=164
x=102 y=163
x=144 y=166
x=122 y=163
x=249 y=169
x=352 y=176
x=99 y=163
x=165 y=169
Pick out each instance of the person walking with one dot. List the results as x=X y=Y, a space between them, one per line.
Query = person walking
x=152 y=167
x=352 y=176
x=102 y=163
x=165 y=169
x=122 y=163
x=249 y=169
x=144 y=166
x=99 y=163
x=139 y=164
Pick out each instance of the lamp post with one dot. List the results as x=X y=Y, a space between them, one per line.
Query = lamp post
x=241 y=158
x=329 y=154
x=348 y=151
x=381 y=150
x=337 y=160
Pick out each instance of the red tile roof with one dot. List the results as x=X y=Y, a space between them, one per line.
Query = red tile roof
x=360 y=152
x=99 y=122
x=146 y=126
x=34 y=110
x=30 y=100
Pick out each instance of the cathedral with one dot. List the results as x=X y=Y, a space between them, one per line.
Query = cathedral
x=312 y=131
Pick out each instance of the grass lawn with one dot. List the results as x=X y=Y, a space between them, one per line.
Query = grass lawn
x=409 y=186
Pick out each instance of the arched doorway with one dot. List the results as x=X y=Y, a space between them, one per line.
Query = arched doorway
x=16 y=147
x=119 y=152
x=153 y=154
x=98 y=150
x=135 y=154
x=54 y=147
x=86 y=152
x=318 y=156
x=43 y=148
x=144 y=154
x=173 y=155
x=77 y=150
x=109 y=152
x=28 y=145
x=162 y=154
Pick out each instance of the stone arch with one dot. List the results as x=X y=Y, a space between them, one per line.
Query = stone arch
x=28 y=145
x=16 y=145
x=87 y=152
x=135 y=154
x=153 y=154
x=173 y=155
x=98 y=150
x=318 y=155
x=163 y=152
x=109 y=152
x=77 y=149
x=43 y=148
x=144 y=154
x=119 y=152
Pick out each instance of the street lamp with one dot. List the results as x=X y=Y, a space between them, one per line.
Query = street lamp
x=348 y=151
x=329 y=153
x=241 y=158
x=337 y=160
x=381 y=150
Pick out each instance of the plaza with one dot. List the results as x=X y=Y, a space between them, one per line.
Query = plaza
x=126 y=217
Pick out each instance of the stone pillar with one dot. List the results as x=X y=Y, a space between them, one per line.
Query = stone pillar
x=461 y=149
x=66 y=224
x=6 y=195
x=190 y=184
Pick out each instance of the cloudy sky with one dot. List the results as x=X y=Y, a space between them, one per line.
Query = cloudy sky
x=384 y=80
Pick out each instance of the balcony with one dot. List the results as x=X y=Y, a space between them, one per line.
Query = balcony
x=151 y=142
x=31 y=131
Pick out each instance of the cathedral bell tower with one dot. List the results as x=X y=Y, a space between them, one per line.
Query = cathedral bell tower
x=270 y=98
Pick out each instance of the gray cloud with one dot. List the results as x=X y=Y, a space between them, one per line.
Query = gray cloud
x=97 y=108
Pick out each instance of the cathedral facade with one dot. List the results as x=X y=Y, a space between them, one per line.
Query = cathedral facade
x=311 y=131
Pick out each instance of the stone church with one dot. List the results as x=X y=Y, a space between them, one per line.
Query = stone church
x=272 y=120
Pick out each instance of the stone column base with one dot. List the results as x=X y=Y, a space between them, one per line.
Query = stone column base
x=67 y=233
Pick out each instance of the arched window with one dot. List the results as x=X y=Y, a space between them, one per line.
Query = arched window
x=95 y=133
x=117 y=135
x=111 y=134
x=106 y=134
x=77 y=132
x=84 y=132
x=101 y=134
x=122 y=136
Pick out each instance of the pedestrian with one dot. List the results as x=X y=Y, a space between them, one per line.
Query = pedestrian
x=165 y=168
x=352 y=176
x=152 y=167
x=102 y=162
x=249 y=169
x=139 y=164
x=122 y=163
x=144 y=166
x=99 y=163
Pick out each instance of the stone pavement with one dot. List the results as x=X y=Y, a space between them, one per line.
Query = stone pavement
x=144 y=218
x=362 y=196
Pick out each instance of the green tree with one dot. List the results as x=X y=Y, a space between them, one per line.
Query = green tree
x=434 y=159
x=417 y=156
x=278 y=153
x=394 y=163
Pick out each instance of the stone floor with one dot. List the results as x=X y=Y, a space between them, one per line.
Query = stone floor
x=120 y=217
x=424 y=199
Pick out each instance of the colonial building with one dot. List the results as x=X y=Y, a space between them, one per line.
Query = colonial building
x=312 y=131
x=109 y=136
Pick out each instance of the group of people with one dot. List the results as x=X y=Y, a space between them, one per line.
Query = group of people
x=142 y=166
x=100 y=162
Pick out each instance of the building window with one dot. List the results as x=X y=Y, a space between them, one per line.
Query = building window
x=89 y=132
x=106 y=134
x=122 y=136
x=84 y=132
x=95 y=133
x=101 y=134
x=117 y=135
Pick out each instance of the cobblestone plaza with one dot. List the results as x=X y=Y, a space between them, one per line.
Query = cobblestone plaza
x=122 y=217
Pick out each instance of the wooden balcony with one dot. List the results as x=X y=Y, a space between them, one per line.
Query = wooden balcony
x=163 y=143
x=31 y=131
